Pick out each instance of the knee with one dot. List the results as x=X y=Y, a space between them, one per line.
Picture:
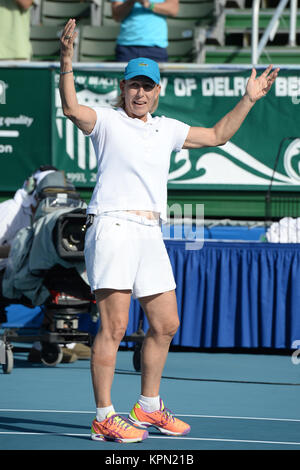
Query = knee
x=167 y=330
x=118 y=334
x=173 y=327
x=114 y=332
x=108 y=339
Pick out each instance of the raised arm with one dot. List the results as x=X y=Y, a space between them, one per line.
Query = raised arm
x=231 y=122
x=167 y=8
x=122 y=9
x=24 y=4
x=83 y=117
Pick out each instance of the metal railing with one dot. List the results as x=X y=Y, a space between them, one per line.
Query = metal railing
x=257 y=47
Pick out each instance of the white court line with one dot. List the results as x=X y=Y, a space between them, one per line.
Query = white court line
x=247 y=441
x=48 y=411
x=159 y=437
x=176 y=414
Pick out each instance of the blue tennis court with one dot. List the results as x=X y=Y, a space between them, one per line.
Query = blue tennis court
x=240 y=391
x=232 y=401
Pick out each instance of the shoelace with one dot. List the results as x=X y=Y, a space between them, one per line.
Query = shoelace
x=167 y=416
x=119 y=421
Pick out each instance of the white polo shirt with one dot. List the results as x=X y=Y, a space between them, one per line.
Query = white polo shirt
x=133 y=161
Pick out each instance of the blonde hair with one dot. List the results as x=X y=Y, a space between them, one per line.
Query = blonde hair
x=120 y=103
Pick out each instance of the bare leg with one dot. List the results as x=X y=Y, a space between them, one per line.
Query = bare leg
x=113 y=308
x=161 y=312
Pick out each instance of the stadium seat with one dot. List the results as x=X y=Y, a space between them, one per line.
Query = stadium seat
x=107 y=18
x=181 y=44
x=45 y=42
x=238 y=26
x=238 y=55
x=54 y=13
x=236 y=22
x=193 y=12
x=97 y=44
x=236 y=3
x=241 y=20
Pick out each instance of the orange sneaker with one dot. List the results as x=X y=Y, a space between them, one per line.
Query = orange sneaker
x=162 y=419
x=117 y=429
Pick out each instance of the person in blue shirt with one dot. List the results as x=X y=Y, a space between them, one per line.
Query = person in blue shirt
x=144 y=30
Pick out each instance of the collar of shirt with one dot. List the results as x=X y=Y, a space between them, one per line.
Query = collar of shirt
x=143 y=123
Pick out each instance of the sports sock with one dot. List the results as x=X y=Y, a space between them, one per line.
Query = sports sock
x=101 y=413
x=149 y=404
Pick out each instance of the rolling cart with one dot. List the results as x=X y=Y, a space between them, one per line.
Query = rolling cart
x=62 y=318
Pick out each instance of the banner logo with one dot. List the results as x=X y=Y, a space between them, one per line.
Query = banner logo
x=230 y=164
x=292 y=159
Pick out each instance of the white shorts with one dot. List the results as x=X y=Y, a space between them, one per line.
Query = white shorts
x=127 y=251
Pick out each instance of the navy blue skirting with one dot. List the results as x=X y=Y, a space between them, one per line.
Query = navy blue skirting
x=234 y=295
x=229 y=294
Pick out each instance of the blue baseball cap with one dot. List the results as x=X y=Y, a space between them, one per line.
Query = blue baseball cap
x=142 y=66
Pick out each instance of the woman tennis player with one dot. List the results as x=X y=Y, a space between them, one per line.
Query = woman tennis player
x=124 y=250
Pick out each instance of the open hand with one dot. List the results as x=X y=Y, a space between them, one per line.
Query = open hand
x=67 y=39
x=259 y=87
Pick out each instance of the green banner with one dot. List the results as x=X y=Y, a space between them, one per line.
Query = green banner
x=200 y=99
x=25 y=124
x=33 y=130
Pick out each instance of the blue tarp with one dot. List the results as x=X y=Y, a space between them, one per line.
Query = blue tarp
x=19 y=316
